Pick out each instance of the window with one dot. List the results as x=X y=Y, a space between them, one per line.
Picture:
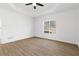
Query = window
x=50 y=27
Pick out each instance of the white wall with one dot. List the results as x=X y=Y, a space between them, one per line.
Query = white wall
x=15 y=26
x=78 y=25
x=66 y=26
x=0 y=29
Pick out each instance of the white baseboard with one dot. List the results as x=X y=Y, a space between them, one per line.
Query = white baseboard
x=78 y=45
x=59 y=40
x=15 y=39
x=26 y=37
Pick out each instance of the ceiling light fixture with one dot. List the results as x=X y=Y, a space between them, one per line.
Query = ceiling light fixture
x=34 y=4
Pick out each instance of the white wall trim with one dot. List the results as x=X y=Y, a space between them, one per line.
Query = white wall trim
x=15 y=39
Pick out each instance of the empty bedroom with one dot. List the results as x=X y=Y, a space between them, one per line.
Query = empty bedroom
x=39 y=29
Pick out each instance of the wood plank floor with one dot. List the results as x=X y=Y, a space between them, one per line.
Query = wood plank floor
x=38 y=47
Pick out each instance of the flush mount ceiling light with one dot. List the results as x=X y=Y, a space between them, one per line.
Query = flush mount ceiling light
x=34 y=4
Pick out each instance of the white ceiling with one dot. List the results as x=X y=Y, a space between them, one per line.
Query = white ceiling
x=48 y=8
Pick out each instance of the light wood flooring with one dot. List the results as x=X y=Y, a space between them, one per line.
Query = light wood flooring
x=38 y=47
